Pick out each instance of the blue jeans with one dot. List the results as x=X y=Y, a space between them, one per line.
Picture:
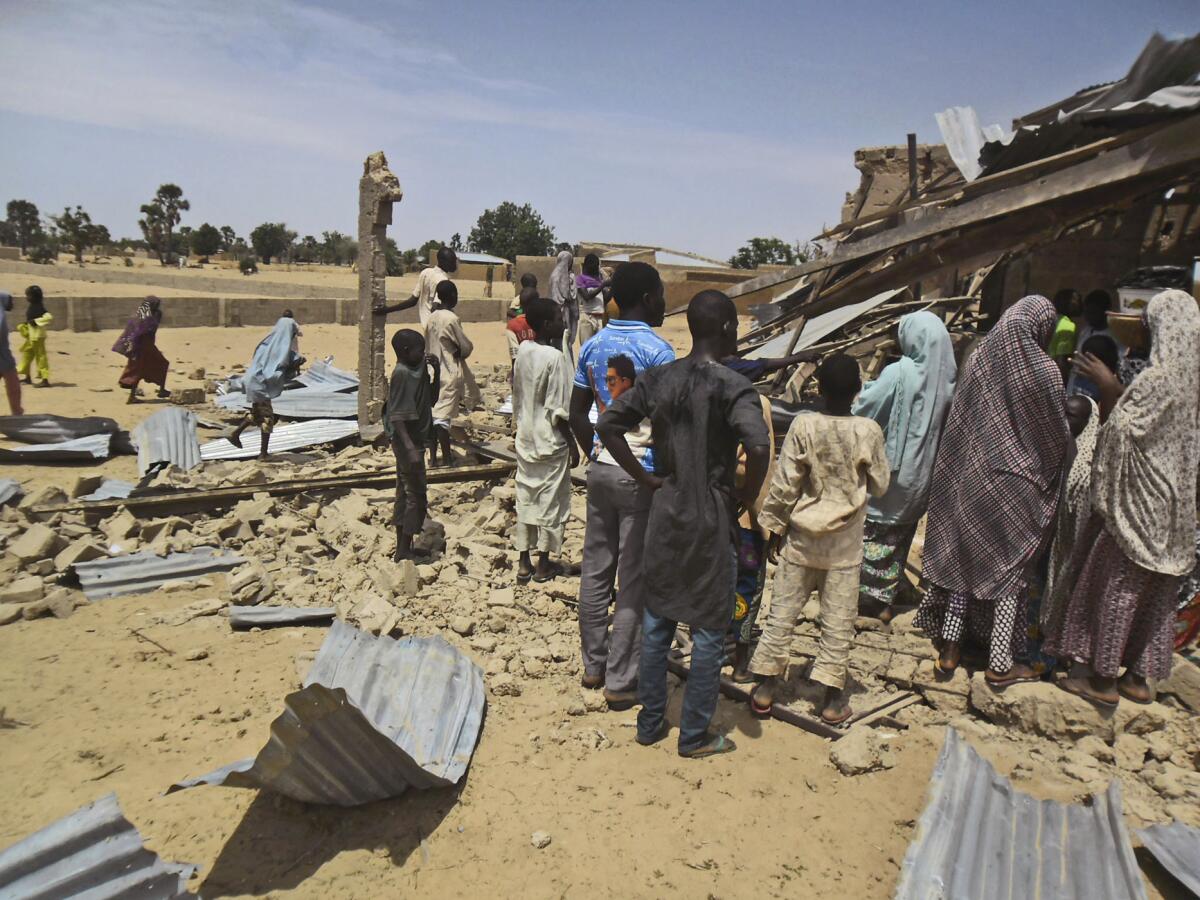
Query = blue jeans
x=703 y=683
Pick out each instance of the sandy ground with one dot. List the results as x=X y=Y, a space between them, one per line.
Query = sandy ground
x=88 y=706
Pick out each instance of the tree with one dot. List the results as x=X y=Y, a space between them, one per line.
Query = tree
x=8 y=234
x=161 y=215
x=228 y=238
x=409 y=261
x=456 y=242
x=271 y=240
x=428 y=250
x=766 y=251
x=25 y=221
x=206 y=240
x=338 y=249
x=510 y=230
x=75 y=230
x=393 y=258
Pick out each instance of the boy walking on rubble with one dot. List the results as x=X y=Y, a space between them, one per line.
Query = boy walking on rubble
x=408 y=422
x=815 y=511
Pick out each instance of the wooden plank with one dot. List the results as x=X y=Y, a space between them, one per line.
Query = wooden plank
x=199 y=499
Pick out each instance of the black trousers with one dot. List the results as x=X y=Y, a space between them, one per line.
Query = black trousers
x=412 y=500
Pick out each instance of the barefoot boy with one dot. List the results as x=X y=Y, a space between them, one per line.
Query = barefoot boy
x=408 y=422
x=815 y=510
x=699 y=413
x=546 y=451
x=276 y=361
x=447 y=341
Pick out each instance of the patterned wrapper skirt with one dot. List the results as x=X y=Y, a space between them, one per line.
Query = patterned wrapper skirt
x=997 y=626
x=885 y=550
x=1118 y=614
x=751 y=578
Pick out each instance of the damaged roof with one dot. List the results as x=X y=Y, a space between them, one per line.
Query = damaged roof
x=95 y=852
x=980 y=837
x=375 y=717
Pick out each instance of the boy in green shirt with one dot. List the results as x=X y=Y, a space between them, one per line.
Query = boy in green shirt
x=1062 y=344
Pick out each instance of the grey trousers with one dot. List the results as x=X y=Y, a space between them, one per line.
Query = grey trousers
x=617 y=510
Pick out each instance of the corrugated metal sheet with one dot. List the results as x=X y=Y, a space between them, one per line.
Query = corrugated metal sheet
x=375 y=717
x=820 y=326
x=47 y=429
x=110 y=489
x=484 y=258
x=323 y=373
x=96 y=853
x=1163 y=82
x=96 y=446
x=140 y=573
x=1177 y=847
x=981 y=838
x=270 y=616
x=302 y=403
x=285 y=437
x=10 y=490
x=965 y=137
x=168 y=436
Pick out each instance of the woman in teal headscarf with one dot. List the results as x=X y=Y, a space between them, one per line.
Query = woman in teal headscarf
x=909 y=400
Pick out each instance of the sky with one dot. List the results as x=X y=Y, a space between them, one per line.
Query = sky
x=692 y=125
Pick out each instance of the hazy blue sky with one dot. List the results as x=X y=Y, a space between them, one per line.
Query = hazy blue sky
x=691 y=125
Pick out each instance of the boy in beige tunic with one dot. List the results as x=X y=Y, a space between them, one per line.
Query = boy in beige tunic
x=815 y=511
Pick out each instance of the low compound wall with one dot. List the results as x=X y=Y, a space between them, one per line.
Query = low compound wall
x=102 y=313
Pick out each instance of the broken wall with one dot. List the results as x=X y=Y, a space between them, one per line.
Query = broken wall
x=884 y=176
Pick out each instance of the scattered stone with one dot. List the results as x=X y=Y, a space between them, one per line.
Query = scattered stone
x=197 y=374
x=27 y=589
x=120 y=526
x=187 y=613
x=196 y=655
x=501 y=597
x=10 y=612
x=85 y=484
x=1095 y=748
x=255 y=511
x=484 y=643
x=859 y=752
x=504 y=685
x=48 y=495
x=462 y=625
x=1184 y=682
x=38 y=542
x=576 y=708
x=82 y=550
x=1129 y=752
x=593 y=701
x=188 y=396
x=534 y=668
x=540 y=840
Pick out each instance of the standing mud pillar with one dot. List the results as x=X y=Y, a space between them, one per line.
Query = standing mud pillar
x=378 y=189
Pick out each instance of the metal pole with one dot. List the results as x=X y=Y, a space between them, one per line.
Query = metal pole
x=912 y=166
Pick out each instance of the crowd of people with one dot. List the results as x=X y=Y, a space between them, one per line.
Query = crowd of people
x=1057 y=474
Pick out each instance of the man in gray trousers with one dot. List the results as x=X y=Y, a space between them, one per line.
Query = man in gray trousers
x=617 y=507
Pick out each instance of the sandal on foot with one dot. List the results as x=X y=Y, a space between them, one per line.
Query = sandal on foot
x=1086 y=694
x=556 y=569
x=744 y=676
x=1000 y=684
x=1133 y=698
x=663 y=731
x=714 y=746
x=839 y=718
x=762 y=712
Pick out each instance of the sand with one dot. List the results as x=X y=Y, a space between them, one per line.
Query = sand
x=99 y=707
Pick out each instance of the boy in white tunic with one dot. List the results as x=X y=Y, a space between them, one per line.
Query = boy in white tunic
x=545 y=451
x=445 y=338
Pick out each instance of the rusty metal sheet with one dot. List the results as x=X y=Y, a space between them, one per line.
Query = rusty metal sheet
x=96 y=853
x=375 y=717
x=980 y=837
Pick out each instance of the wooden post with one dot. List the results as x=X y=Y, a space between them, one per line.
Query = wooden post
x=378 y=189
x=912 y=166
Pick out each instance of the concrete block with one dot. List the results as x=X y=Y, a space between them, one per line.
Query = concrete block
x=37 y=542
x=27 y=589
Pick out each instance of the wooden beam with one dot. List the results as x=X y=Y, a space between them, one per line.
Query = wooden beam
x=201 y=499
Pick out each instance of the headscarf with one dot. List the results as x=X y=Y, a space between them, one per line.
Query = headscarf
x=274 y=362
x=562 y=288
x=909 y=400
x=37 y=309
x=1144 y=479
x=585 y=279
x=996 y=479
x=1073 y=509
x=143 y=323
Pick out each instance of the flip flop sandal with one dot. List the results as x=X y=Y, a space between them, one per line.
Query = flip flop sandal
x=718 y=745
x=839 y=719
x=1134 y=699
x=1001 y=683
x=1085 y=694
x=556 y=570
x=762 y=712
